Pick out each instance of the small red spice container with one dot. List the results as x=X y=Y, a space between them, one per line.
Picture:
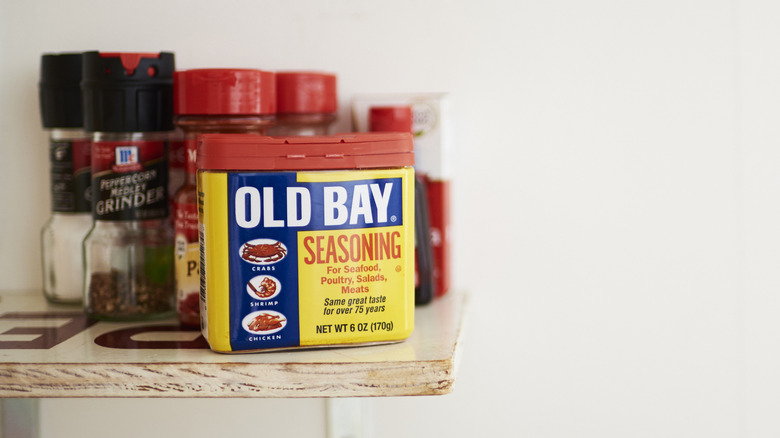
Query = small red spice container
x=211 y=100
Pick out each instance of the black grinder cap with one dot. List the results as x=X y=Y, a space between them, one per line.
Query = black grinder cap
x=127 y=92
x=58 y=90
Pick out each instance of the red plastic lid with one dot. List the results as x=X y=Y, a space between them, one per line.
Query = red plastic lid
x=219 y=91
x=390 y=119
x=329 y=152
x=306 y=93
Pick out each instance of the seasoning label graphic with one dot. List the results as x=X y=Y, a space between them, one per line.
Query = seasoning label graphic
x=263 y=287
x=263 y=251
x=315 y=258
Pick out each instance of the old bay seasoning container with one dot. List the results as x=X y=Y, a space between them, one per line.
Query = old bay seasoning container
x=306 y=241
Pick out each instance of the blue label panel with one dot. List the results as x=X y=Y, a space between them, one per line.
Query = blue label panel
x=266 y=212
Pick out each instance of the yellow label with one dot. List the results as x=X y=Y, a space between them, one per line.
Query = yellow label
x=214 y=293
x=351 y=285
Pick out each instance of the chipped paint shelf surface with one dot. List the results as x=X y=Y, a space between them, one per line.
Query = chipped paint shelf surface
x=53 y=351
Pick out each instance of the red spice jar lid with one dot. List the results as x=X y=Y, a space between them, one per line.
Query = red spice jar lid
x=242 y=152
x=220 y=91
x=390 y=119
x=306 y=93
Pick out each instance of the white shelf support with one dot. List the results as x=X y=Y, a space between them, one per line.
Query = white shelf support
x=19 y=418
x=347 y=418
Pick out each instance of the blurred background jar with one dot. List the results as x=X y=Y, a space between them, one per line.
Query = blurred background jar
x=69 y=156
x=128 y=106
x=210 y=101
x=399 y=118
x=306 y=103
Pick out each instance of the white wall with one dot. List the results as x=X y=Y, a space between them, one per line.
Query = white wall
x=617 y=197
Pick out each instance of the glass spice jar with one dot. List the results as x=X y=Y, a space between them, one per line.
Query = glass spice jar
x=210 y=101
x=306 y=103
x=69 y=155
x=128 y=105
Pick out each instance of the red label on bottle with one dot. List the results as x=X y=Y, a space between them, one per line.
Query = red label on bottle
x=177 y=154
x=439 y=217
x=186 y=221
x=192 y=156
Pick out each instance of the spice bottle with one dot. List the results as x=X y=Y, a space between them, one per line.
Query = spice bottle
x=308 y=241
x=399 y=119
x=69 y=155
x=210 y=101
x=128 y=106
x=306 y=103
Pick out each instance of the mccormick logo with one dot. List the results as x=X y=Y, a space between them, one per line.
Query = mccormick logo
x=126 y=155
x=126 y=159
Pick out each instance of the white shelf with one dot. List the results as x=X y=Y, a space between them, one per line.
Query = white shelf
x=78 y=366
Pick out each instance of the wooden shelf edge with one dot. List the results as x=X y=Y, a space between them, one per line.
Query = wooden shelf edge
x=246 y=377
x=240 y=380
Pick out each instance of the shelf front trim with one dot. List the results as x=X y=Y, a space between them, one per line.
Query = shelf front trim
x=77 y=367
